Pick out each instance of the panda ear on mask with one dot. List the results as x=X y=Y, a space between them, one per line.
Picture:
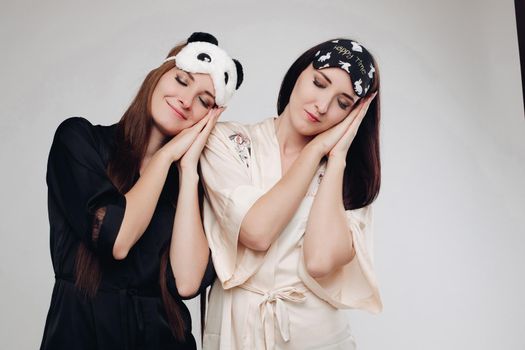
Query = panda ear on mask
x=240 y=73
x=204 y=37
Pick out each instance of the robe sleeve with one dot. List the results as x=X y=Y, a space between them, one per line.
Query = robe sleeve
x=229 y=195
x=353 y=285
x=78 y=182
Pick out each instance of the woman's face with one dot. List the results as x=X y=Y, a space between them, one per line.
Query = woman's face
x=180 y=99
x=320 y=99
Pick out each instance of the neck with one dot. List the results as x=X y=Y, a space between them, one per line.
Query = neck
x=290 y=140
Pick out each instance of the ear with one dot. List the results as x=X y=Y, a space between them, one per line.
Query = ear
x=240 y=73
x=206 y=37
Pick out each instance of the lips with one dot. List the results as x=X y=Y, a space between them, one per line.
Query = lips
x=177 y=112
x=311 y=117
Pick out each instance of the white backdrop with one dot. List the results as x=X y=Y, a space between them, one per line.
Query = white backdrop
x=450 y=232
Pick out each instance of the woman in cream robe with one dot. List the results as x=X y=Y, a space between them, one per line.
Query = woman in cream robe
x=267 y=298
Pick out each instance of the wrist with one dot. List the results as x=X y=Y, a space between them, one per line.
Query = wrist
x=161 y=159
x=165 y=156
x=314 y=150
x=338 y=161
x=188 y=174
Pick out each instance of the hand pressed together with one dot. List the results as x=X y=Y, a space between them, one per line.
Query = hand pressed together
x=336 y=141
x=187 y=145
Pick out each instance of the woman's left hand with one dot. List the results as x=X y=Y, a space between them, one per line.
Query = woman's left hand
x=341 y=147
x=191 y=157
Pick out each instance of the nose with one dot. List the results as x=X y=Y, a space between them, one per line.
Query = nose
x=185 y=100
x=322 y=104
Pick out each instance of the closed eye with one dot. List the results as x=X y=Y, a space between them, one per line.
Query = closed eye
x=181 y=80
x=205 y=103
x=318 y=84
x=343 y=104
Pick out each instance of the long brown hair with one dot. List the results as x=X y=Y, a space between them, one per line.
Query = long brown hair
x=131 y=141
x=362 y=175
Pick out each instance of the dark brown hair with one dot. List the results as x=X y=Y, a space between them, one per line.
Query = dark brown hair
x=362 y=176
x=131 y=141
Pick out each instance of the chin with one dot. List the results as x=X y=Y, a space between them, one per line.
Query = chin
x=305 y=128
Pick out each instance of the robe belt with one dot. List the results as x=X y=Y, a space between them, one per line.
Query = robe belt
x=271 y=309
x=129 y=301
x=132 y=303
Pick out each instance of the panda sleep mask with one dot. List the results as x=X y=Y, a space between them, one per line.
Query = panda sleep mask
x=203 y=55
x=351 y=57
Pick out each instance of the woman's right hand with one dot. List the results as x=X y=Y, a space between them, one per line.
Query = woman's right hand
x=178 y=145
x=325 y=141
x=192 y=155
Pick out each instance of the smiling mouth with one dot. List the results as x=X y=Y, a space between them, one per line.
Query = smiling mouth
x=177 y=112
x=312 y=117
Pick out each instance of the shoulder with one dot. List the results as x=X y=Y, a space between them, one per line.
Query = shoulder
x=232 y=134
x=229 y=141
x=238 y=133
x=83 y=140
x=226 y=129
x=79 y=131
x=74 y=130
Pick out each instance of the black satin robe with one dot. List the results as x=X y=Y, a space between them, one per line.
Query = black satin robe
x=127 y=311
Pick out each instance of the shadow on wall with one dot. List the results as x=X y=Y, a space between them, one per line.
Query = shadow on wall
x=519 y=6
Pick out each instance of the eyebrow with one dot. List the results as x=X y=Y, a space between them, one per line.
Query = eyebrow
x=344 y=94
x=205 y=91
x=350 y=97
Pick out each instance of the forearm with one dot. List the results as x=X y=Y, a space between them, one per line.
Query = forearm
x=189 y=251
x=328 y=241
x=141 y=201
x=273 y=211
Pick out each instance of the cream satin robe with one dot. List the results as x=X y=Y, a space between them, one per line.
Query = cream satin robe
x=267 y=300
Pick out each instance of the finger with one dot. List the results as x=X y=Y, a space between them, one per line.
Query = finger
x=195 y=129
x=222 y=109
x=356 y=119
x=370 y=98
x=354 y=113
x=346 y=123
x=340 y=129
x=203 y=135
x=365 y=104
x=202 y=123
x=356 y=122
x=210 y=124
x=217 y=112
x=350 y=133
x=367 y=100
x=352 y=129
x=211 y=118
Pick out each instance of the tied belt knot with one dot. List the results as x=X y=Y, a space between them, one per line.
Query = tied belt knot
x=273 y=311
x=130 y=302
x=134 y=304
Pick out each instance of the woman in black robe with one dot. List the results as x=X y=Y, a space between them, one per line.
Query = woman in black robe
x=127 y=241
